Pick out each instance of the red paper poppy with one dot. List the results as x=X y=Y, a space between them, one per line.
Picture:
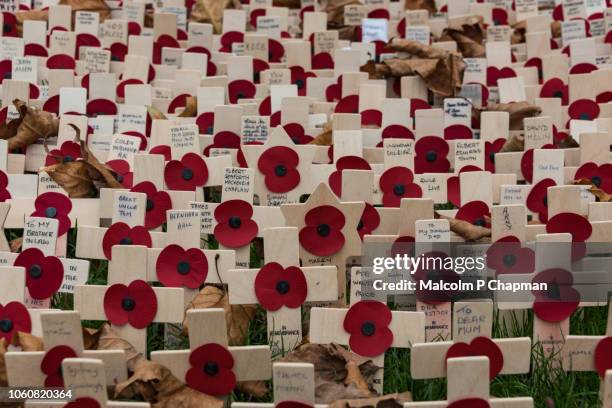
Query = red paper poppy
x=371 y=117
x=479 y=346
x=51 y=105
x=370 y=220
x=367 y=323
x=491 y=149
x=163 y=150
x=435 y=275
x=500 y=16
x=9 y=27
x=397 y=183
x=211 y=370
x=240 y=89
x=507 y=255
x=418 y=104
x=603 y=356
x=122 y=172
x=322 y=233
x=582 y=68
x=583 y=109
x=158 y=202
x=475 y=212
x=179 y=101
x=51 y=365
x=395 y=132
x=186 y=174
x=134 y=28
x=276 y=287
x=61 y=61
x=469 y=403
x=431 y=153
x=297 y=133
x=299 y=78
x=69 y=151
x=121 y=234
x=54 y=205
x=537 y=200
x=6 y=70
x=453 y=190
x=120 y=90
x=276 y=51
x=206 y=122
x=86 y=40
x=163 y=41
x=494 y=74
x=258 y=12
x=575 y=224
x=559 y=300
x=345 y=163
x=223 y=140
x=177 y=267
x=4 y=193
x=604 y=97
x=229 y=38
x=334 y=91
x=279 y=166
x=135 y=304
x=14 y=317
x=118 y=51
x=235 y=226
x=600 y=176
x=527 y=162
x=292 y=404
x=44 y=274
x=83 y=402
x=403 y=245
x=322 y=60
x=35 y=50
x=455 y=132
x=348 y=104
x=259 y=66
x=98 y=107
x=535 y=62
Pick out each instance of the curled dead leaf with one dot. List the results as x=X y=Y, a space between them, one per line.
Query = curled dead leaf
x=237 y=317
x=26 y=342
x=466 y=230
x=601 y=195
x=154 y=113
x=469 y=39
x=211 y=11
x=335 y=11
x=325 y=137
x=339 y=374
x=429 y=5
x=396 y=400
x=33 y=124
x=191 y=108
x=515 y=143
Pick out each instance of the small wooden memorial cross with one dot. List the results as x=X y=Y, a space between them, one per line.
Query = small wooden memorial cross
x=210 y=366
x=282 y=287
x=468 y=382
x=128 y=302
x=62 y=338
x=327 y=231
x=86 y=378
x=355 y=326
x=292 y=383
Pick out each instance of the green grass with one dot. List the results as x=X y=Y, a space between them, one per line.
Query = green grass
x=544 y=383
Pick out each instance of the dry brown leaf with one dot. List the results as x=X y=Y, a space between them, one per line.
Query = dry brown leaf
x=396 y=400
x=335 y=11
x=441 y=70
x=464 y=229
x=191 y=108
x=518 y=32
x=517 y=110
x=33 y=124
x=26 y=341
x=568 y=143
x=469 y=39
x=515 y=143
x=237 y=317
x=15 y=244
x=429 y=5
x=211 y=11
x=98 y=6
x=257 y=389
x=324 y=138
x=337 y=371
x=601 y=195
x=106 y=339
x=154 y=113
x=291 y=4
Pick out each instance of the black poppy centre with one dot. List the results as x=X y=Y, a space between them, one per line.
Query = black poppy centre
x=6 y=325
x=211 y=368
x=368 y=328
x=35 y=271
x=323 y=230
x=554 y=290
x=283 y=287
x=399 y=189
x=150 y=204
x=235 y=222
x=183 y=267
x=280 y=170
x=299 y=83
x=50 y=212
x=509 y=260
x=596 y=180
x=67 y=158
x=187 y=174
x=126 y=241
x=128 y=304
x=431 y=156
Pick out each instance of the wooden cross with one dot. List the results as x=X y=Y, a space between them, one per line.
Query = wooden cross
x=200 y=365
x=328 y=325
x=292 y=383
x=324 y=200
x=252 y=286
x=468 y=381
x=62 y=336
x=87 y=380
x=128 y=267
x=274 y=161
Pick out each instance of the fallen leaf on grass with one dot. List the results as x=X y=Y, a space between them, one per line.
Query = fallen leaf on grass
x=396 y=400
x=26 y=341
x=237 y=317
x=339 y=374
